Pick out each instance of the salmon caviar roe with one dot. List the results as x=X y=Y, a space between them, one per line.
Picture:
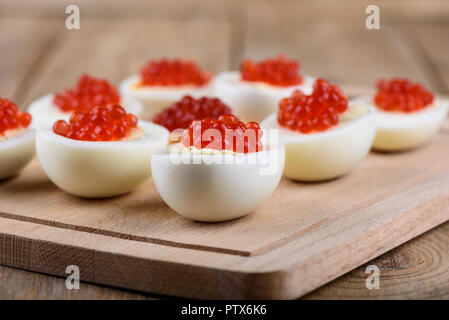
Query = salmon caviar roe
x=278 y=71
x=89 y=92
x=182 y=113
x=110 y=123
x=230 y=134
x=174 y=72
x=401 y=95
x=11 y=117
x=316 y=112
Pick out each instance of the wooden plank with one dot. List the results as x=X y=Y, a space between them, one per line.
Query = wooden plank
x=22 y=44
x=46 y=241
x=116 y=49
x=415 y=270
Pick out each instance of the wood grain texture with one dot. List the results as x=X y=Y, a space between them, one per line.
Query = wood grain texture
x=44 y=230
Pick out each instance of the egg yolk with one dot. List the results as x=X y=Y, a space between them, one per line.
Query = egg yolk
x=315 y=112
x=401 y=95
x=88 y=93
x=110 y=123
x=11 y=118
x=224 y=133
x=183 y=112
x=174 y=72
x=279 y=71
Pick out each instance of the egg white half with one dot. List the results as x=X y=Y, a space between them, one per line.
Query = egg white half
x=398 y=131
x=217 y=187
x=325 y=155
x=98 y=169
x=253 y=101
x=156 y=98
x=16 y=152
x=45 y=113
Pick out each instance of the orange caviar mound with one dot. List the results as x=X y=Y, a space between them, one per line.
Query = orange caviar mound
x=315 y=112
x=224 y=133
x=183 y=112
x=174 y=72
x=11 y=117
x=88 y=93
x=110 y=123
x=400 y=94
x=278 y=71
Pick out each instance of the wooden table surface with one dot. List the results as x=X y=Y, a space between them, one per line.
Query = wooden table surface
x=39 y=55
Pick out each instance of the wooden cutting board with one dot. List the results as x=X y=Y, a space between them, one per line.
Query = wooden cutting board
x=303 y=236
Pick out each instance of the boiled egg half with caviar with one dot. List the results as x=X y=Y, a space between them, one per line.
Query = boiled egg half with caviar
x=255 y=90
x=162 y=82
x=215 y=173
x=16 y=139
x=88 y=93
x=101 y=153
x=407 y=114
x=324 y=137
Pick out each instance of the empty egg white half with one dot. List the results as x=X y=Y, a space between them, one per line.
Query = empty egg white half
x=329 y=154
x=45 y=113
x=253 y=101
x=156 y=98
x=398 y=131
x=216 y=186
x=16 y=152
x=98 y=169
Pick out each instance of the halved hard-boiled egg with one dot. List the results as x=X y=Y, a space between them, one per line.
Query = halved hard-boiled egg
x=407 y=114
x=255 y=91
x=324 y=137
x=219 y=171
x=16 y=139
x=104 y=152
x=162 y=82
x=88 y=93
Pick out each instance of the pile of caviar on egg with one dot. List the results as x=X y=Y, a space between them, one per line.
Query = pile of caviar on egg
x=181 y=113
x=176 y=72
x=88 y=93
x=315 y=112
x=279 y=71
x=401 y=95
x=228 y=134
x=110 y=123
x=11 y=117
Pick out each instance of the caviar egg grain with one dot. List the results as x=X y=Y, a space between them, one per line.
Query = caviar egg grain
x=45 y=113
x=253 y=101
x=217 y=186
x=98 y=169
x=399 y=131
x=161 y=83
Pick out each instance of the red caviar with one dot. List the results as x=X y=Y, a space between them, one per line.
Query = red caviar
x=278 y=71
x=174 y=72
x=89 y=92
x=11 y=117
x=99 y=124
x=401 y=95
x=315 y=112
x=181 y=113
x=229 y=134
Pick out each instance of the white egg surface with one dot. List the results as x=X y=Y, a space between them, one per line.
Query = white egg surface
x=216 y=186
x=100 y=169
x=45 y=113
x=253 y=101
x=329 y=154
x=16 y=152
x=156 y=98
x=398 y=131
